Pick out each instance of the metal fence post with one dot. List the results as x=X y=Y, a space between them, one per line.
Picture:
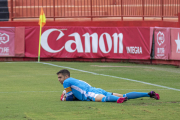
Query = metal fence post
x=12 y=10
x=54 y=8
x=143 y=8
x=91 y=11
x=121 y=11
x=162 y=9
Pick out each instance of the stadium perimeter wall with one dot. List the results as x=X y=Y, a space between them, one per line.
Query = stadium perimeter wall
x=19 y=46
x=97 y=24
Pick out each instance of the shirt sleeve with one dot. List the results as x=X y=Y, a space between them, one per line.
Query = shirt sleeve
x=69 y=93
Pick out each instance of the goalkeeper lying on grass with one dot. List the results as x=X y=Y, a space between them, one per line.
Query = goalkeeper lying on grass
x=83 y=91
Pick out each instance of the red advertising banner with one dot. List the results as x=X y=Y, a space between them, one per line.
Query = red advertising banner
x=162 y=43
x=7 y=41
x=19 y=42
x=89 y=42
x=175 y=44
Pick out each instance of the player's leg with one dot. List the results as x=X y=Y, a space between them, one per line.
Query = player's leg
x=110 y=98
x=117 y=94
x=100 y=95
x=154 y=95
x=134 y=95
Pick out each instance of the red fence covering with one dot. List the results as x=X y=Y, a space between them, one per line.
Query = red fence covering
x=89 y=42
x=7 y=35
x=162 y=43
x=175 y=44
x=19 y=41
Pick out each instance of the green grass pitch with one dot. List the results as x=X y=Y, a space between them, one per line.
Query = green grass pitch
x=31 y=91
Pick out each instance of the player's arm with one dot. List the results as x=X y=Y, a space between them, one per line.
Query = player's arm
x=69 y=94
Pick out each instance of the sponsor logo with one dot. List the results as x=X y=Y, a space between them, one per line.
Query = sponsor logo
x=134 y=50
x=88 y=38
x=160 y=52
x=4 y=38
x=160 y=38
x=4 y=50
x=178 y=44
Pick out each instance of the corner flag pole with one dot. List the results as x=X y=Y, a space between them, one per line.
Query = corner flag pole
x=42 y=22
x=39 y=53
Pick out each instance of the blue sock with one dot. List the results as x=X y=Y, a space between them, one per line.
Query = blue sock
x=133 y=95
x=110 y=98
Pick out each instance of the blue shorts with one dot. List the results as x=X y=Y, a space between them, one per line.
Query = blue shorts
x=93 y=92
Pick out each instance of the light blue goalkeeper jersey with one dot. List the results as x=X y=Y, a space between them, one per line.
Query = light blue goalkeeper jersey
x=81 y=90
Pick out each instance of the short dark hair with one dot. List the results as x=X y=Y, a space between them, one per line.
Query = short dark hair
x=64 y=72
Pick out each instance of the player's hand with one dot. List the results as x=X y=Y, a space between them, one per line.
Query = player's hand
x=62 y=97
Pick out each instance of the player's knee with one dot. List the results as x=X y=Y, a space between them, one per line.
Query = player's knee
x=99 y=98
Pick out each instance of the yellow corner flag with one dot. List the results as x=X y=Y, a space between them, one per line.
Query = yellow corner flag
x=42 y=22
x=42 y=18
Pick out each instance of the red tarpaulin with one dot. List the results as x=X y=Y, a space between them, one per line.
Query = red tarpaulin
x=7 y=41
x=162 y=43
x=89 y=42
x=175 y=44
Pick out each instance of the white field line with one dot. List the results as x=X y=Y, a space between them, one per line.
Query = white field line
x=112 y=76
x=165 y=87
x=155 y=68
x=31 y=91
x=62 y=90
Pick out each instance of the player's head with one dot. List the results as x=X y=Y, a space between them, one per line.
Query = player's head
x=63 y=75
x=64 y=72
